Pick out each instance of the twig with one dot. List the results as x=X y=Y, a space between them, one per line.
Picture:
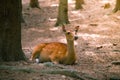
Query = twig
x=115 y=62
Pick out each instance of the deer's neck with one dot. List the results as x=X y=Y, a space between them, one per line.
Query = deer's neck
x=70 y=47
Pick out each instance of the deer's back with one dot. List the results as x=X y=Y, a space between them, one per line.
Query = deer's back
x=54 y=51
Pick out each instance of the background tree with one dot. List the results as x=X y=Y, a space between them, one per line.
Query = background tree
x=22 y=19
x=78 y=4
x=62 y=13
x=117 y=6
x=34 y=4
x=10 y=31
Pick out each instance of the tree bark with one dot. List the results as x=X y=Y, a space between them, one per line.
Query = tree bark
x=62 y=13
x=10 y=31
x=117 y=6
x=34 y=4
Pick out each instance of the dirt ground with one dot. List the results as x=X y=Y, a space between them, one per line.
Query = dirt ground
x=97 y=48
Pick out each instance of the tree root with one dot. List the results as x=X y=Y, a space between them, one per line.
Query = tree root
x=66 y=72
x=115 y=62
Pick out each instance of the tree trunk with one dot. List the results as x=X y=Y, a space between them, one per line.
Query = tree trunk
x=34 y=4
x=117 y=6
x=62 y=13
x=10 y=31
x=78 y=4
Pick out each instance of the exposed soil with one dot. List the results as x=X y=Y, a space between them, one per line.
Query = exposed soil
x=97 y=47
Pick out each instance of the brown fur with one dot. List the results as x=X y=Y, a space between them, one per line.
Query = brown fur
x=56 y=52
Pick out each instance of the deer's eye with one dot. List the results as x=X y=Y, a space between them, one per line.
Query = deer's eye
x=68 y=32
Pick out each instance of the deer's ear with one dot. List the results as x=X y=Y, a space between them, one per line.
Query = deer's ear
x=76 y=29
x=63 y=28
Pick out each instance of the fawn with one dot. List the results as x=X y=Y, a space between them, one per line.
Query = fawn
x=57 y=52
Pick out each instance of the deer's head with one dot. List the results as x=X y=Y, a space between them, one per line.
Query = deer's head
x=71 y=35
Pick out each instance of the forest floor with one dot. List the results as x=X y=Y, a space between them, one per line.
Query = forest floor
x=97 y=48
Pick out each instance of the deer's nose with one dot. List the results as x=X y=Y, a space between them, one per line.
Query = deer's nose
x=76 y=37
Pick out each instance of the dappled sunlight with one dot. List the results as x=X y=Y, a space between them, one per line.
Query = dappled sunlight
x=104 y=45
x=54 y=5
x=54 y=28
x=102 y=29
x=78 y=14
x=52 y=19
x=106 y=1
x=90 y=53
x=97 y=41
x=87 y=36
x=36 y=30
x=42 y=40
x=71 y=1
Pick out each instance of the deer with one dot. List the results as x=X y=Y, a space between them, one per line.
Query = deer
x=57 y=52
